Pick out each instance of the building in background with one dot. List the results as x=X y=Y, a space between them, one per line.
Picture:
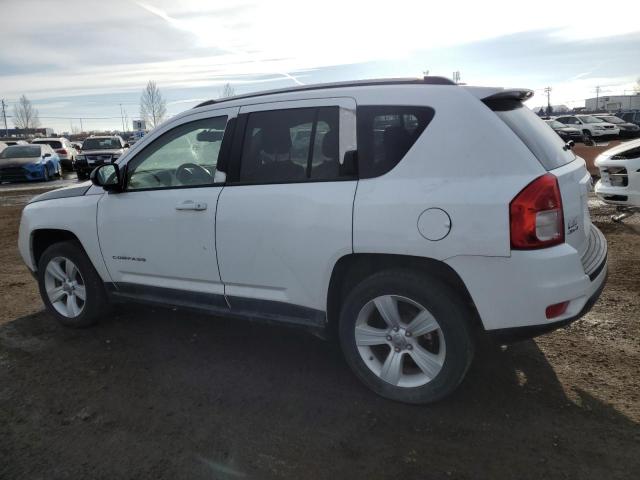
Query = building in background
x=31 y=132
x=613 y=103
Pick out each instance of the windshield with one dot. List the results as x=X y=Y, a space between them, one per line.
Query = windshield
x=52 y=143
x=611 y=119
x=20 y=151
x=101 y=144
x=556 y=124
x=590 y=119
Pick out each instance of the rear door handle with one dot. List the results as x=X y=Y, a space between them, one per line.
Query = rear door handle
x=191 y=205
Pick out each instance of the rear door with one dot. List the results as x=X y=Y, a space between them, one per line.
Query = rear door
x=285 y=215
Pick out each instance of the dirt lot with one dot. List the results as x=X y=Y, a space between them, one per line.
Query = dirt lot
x=164 y=394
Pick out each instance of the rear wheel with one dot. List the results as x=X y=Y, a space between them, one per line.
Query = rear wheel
x=69 y=285
x=46 y=177
x=406 y=336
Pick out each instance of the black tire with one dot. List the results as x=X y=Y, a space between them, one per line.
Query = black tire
x=46 y=174
x=449 y=310
x=95 y=304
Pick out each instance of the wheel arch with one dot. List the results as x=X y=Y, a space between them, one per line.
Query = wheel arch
x=43 y=238
x=350 y=269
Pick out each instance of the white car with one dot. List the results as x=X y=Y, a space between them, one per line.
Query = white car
x=619 y=182
x=404 y=216
x=62 y=146
x=590 y=125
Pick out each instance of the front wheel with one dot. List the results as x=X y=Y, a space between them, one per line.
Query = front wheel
x=406 y=336
x=45 y=175
x=70 y=287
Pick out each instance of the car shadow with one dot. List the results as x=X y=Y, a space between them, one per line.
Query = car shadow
x=170 y=394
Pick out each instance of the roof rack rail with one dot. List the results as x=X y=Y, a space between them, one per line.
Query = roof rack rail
x=427 y=80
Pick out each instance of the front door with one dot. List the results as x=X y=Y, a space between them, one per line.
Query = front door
x=285 y=215
x=158 y=236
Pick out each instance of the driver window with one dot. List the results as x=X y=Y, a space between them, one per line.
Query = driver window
x=184 y=156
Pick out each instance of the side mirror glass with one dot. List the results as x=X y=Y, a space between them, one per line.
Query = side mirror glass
x=46 y=155
x=126 y=145
x=107 y=176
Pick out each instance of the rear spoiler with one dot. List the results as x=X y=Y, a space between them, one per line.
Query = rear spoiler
x=507 y=99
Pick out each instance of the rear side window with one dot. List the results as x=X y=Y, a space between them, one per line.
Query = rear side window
x=291 y=145
x=543 y=142
x=385 y=135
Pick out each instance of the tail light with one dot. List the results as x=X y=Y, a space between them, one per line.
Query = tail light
x=535 y=215
x=61 y=151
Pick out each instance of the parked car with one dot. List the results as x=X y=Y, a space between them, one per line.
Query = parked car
x=399 y=243
x=63 y=148
x=627 y=129
x=77 y=146
x=565 y=132
x=98 y=150
x=29 y=162
x=590 y=126
x=619 y=182
x=16 y=142
x=631 y=116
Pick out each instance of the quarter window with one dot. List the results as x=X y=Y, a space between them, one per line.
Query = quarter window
x=291 y=145
x=184 y=156
x=385 y=135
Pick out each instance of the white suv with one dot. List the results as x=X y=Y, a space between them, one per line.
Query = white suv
x=403 y=216
x=66 y=152
x=590 y=126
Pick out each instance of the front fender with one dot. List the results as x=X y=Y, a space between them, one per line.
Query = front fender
x=76 y=215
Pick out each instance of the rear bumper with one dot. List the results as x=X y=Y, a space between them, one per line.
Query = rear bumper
x=511 y=335
x=513 y=292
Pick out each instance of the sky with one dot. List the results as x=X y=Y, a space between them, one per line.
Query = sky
x=90 y=59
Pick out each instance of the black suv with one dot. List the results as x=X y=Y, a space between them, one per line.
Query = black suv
x=631 y=116
x=97 y=151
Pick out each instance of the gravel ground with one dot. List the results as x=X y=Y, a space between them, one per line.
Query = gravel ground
x=167 y=394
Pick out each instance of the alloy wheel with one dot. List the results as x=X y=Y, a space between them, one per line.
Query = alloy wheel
x=65 y=287
x=400 y=341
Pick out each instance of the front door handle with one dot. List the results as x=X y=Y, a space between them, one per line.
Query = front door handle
x=191 y=205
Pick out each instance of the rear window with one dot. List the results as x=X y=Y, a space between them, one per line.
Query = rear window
x=385 y=135
x=543 y=142
x=51 y=143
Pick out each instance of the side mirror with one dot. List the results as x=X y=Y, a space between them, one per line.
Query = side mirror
x=108 y=177
x=46 y=155
x=350 y=163
x=126 y=145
